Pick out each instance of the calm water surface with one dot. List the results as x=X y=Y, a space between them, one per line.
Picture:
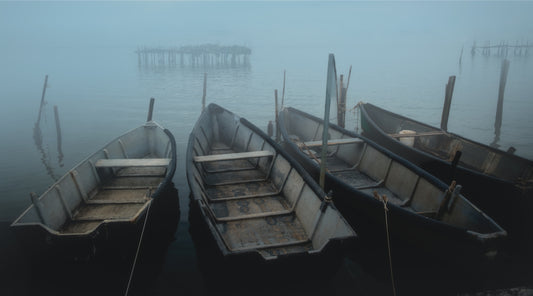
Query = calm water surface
x=402 y=54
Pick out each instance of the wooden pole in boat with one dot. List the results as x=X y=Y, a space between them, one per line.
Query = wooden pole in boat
x=331 y=91
x=276 y=114
x=150 y=109
x=447 y=103
x=205 y=90
x=499 y=109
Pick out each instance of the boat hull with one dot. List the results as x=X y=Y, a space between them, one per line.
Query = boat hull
x=257 y=204
x=415 y=231
x=508 y=202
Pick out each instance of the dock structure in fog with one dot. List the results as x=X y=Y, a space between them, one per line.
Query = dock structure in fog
x=207 y=55
x=503 y=48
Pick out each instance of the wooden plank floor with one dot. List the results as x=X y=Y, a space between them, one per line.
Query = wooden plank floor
x=122 y=198
x=266 y=233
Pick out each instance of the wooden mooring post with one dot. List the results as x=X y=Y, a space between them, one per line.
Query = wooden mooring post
x=447 y=103
x=341 y=100
x=205 y=91
x=499 y=108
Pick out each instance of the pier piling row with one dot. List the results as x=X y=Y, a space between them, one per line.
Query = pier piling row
x=502 y=49
x=208 y=54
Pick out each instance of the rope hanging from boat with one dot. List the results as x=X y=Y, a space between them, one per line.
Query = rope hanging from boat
x=383 y=198
x=138 y=248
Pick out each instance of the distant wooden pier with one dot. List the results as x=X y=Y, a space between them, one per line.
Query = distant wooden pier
x=207 y=55
x=502 y=49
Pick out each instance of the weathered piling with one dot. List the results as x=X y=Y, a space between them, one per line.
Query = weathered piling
x=499 y=108
x=276 y=115
x=341 y=99
x=150 y=109
x=206 y=55
x=447 y=103
x=59 y=138
x=204 y=92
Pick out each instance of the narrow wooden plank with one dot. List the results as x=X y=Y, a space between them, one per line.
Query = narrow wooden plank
x=233 y=156
x=132 y=162
x=333 y=142
x=432 y=133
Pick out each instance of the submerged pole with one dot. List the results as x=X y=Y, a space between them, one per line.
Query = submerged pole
x=331 y=91
x=499 y=108
x=151 y=109
x=447 y=103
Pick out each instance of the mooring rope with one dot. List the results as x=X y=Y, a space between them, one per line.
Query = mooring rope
x=384 y=200
x=138 y=248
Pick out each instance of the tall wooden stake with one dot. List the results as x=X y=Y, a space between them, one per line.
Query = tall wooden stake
x=42 y=100
x=283 y=91
x=499 y=109
x=205 y=89
x=447 y=103
x=276 y=114
x=331 y=91
x=150 y=109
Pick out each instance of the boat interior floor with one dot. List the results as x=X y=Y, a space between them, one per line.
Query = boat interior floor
x=247 y=208
x=122 y=197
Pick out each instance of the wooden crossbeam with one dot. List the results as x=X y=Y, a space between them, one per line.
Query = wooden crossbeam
x=333 y=142
x=233 y=156
x=132 y=162
x=422 y=134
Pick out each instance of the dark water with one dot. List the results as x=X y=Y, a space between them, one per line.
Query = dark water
x=402 y=54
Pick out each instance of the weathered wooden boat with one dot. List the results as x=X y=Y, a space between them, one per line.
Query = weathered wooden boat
x=102 y=199
x=499 y=182
x=258 y=203
x=422 y=210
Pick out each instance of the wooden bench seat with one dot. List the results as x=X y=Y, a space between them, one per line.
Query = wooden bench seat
x=132 y=162
x=233 y=156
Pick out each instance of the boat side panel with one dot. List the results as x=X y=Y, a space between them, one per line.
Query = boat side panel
x=374 y=164
x=401 y=180
x=426 y=198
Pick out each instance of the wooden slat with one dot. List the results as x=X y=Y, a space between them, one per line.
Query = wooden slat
x=233 y=156
x=331 y=142
x=432 y=133
x=132 y=162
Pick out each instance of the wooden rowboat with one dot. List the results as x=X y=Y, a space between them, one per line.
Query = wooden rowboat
x=422 y=210
x=104 y=197
x=257 y=202
x=499 y=182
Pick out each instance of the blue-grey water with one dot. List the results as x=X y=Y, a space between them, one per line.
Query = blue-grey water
x=401 y=54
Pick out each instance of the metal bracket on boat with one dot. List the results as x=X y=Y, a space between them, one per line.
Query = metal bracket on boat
x=328 y=199
x=456 y=192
